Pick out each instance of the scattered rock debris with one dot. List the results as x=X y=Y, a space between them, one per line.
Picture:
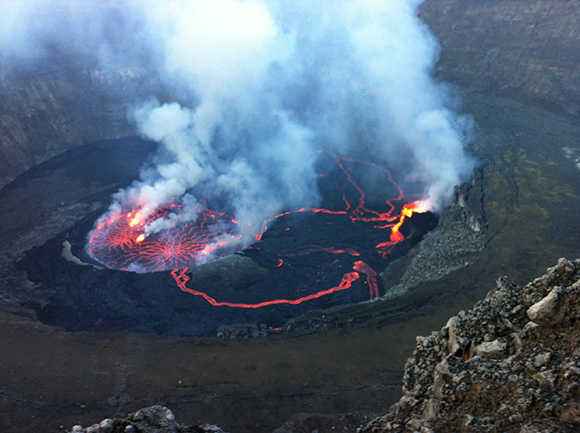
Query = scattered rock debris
x=510 y=364
x=154 y=419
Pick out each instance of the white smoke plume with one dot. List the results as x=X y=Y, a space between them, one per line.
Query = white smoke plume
x=262 y=85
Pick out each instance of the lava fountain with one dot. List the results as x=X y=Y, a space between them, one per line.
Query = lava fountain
x=122 y=241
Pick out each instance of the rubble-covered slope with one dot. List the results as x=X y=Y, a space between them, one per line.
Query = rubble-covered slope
x=510 y=364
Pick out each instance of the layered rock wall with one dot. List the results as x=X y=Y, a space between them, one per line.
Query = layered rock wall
x=517 y=48
x=525 y=50
x=60 y=105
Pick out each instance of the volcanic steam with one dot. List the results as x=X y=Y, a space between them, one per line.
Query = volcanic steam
x=254 y=89
x=262 y=85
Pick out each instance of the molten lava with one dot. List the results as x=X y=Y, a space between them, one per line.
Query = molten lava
x=406 y=212
x=122 y=241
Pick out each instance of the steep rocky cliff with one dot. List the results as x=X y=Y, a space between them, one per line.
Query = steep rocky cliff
x=62 y=104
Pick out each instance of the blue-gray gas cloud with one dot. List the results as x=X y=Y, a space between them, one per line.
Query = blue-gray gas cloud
x=262 y=85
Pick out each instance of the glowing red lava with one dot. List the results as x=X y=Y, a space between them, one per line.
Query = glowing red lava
x=181 y=279
x=120 y=242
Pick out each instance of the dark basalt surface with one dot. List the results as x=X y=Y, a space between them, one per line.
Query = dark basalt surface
x=84 y=296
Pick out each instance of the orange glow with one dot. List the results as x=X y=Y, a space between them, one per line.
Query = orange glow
x=396 y=235
x=416 y=206
x=135 y=220
x=120 y=241
x=408 y=210
x=181 y=278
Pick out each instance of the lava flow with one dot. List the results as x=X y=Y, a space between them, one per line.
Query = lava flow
x=122 y=241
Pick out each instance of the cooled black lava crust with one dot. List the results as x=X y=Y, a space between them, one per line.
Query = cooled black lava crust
x=90 y=299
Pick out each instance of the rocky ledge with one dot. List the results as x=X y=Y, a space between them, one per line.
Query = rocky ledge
x=510 y=364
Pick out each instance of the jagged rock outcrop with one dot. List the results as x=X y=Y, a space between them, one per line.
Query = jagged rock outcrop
x=510 y=364
x=154 y=419
x=454 y=244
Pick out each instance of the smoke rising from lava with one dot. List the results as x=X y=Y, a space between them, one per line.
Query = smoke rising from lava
x=262 y=85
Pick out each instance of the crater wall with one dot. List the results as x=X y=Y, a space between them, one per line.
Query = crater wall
x=524 y=50
x=519 y=49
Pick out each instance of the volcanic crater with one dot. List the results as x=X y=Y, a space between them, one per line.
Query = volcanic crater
x=306 y=260
x=516 y=66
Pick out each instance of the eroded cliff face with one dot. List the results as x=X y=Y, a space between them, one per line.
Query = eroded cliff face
x=525 y=50
x=62 y=104
x=520 y=49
